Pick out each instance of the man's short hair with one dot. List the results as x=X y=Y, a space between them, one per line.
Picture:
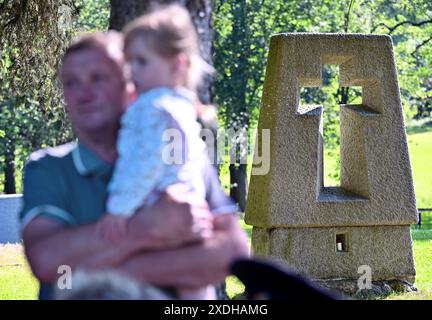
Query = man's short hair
x=109 y=43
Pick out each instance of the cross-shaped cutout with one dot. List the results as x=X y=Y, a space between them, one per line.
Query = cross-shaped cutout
x=351 y=143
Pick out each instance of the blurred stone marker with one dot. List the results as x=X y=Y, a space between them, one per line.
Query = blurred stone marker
x=330 y=233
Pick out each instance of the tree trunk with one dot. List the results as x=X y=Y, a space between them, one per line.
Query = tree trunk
x=201 y=13
x=239 y=184
x=123 y=11
x=343 y=95
x=239 y=118
x=9 y=172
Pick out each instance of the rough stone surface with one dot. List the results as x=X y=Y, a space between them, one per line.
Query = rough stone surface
x=9 y=209
x=296 y=219
x=376 y=180
x=312 y=251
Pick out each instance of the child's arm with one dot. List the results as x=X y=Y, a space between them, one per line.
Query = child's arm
x=193 y=266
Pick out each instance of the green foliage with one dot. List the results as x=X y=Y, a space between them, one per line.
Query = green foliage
x=420 y=147
x=410 y=25
x=93 y=15
x=33 y=36
x=330 y=96
x=243 y=29
x=242 y=35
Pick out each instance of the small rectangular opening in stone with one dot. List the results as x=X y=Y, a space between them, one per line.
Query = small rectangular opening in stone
x=341 y=243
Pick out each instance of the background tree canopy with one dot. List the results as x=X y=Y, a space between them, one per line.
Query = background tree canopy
x=33 y=35
x=242 y=31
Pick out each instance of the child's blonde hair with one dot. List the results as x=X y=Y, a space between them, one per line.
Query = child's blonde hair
x=169 y=31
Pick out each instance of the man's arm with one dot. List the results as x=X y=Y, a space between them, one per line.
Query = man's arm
x=195 y=265
x=49 y=244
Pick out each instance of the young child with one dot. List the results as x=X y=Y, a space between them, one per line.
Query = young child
x=161 y=48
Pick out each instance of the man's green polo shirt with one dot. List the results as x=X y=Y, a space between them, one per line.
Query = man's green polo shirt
x=67 y=183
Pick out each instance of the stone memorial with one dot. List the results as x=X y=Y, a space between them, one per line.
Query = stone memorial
x=335 y=235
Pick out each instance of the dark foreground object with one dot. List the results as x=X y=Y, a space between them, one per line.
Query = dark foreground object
x=265 y=280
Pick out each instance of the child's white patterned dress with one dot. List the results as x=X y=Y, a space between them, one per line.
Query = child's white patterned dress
x=159 y=145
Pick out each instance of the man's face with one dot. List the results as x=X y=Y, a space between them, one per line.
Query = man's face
x=94 y=91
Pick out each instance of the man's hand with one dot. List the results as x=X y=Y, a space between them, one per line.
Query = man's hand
x=194 y=266
x=176 y=219
x=112 y=228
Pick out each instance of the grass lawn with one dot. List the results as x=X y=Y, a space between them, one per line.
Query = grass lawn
x=420 y=148
x=17 y=282
x=423 y=263
x=16 y=279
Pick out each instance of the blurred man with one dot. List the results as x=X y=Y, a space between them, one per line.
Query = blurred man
x=65 y=190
